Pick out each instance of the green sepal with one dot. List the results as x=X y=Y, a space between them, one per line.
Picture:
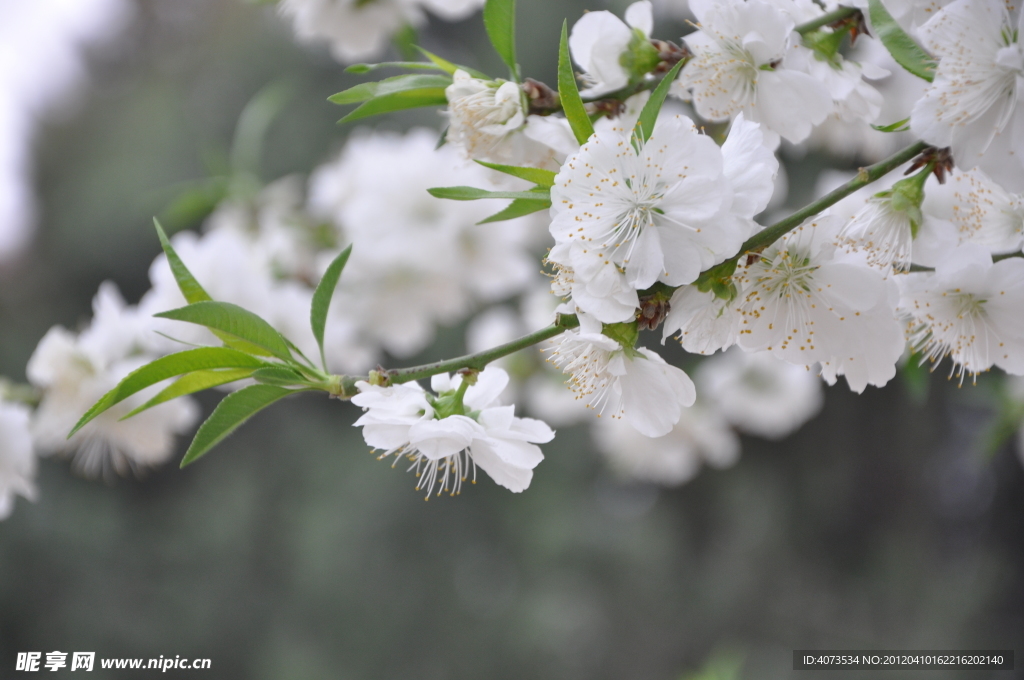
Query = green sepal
x=201 y=358
x=626 y=333
x=640 y=57
x=569 y=93
x=901 y=46
x=825 y=45
x=232 y=411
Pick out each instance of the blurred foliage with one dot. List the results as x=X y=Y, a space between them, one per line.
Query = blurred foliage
x=290 y=552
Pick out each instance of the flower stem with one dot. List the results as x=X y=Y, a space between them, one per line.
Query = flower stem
x=564 y=322
x=826 y=19
x=865 y=176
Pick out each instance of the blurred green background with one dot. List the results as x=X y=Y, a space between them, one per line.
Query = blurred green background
x=290 y=552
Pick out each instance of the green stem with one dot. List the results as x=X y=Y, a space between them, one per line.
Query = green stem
x=826 y=19
x=865 y=176
x=481 y=359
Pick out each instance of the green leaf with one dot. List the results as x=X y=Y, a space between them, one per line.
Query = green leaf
x=280 y=376
x=569 y=93
x=649 y=114
x=403 y=83
x=539 y=176
x=398 y=101
x=500 y=22
x=518 y=208
x=232 y=412
x=898 y=126
x=901 y=46
x=236 y=321
x=322 y=299
x=449 y=67
x=473 y=194
x=202 y=358
x=190 y=288
x=411 y=65
x=193 y=382
x=405 y=40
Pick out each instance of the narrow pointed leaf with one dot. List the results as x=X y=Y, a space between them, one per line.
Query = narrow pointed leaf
x=449 y=67
x=398 y=101
x=322 y=299
x=569 y=93
x=190 y=288
x=202 y=358
x=518 y=208
x=411 y=65
x=500 y=22
x=280 y=376
x=474 y=194
x=649 y=114
x=898 y=126
x=234 y=320
x=230 y=414
x=539 y=176
x=901 y=46
x=410 y=81
x=191 y=383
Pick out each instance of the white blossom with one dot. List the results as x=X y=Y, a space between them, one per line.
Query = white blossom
x=742 y=56
x=805 y=303
x=75 y=371
x=361 y=29
x=482 y=114
x=883 y=231
x=624 y=218
x=969 y=208
x=968 y=309
x=705 y=322
x=976 y=87
x=760 y=394
x=635 y=384
x=417 y=261
x=701 y=435
x=598 y=42
x=445 y=449
x=17 y=458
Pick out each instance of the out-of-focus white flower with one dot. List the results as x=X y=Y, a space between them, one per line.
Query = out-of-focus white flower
x=635 y=384
x=969 y=208
x=977 y=81
x=741 y=63
x=482 y=114
x=760 y=394
x=666 y=212
x=17 y=459
x=969 y=309
x=445 y=448
x=361 y=29
x=806 y=303
x=701 y=435
x=600 y=42
x=417 y=261
x=75 y=371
